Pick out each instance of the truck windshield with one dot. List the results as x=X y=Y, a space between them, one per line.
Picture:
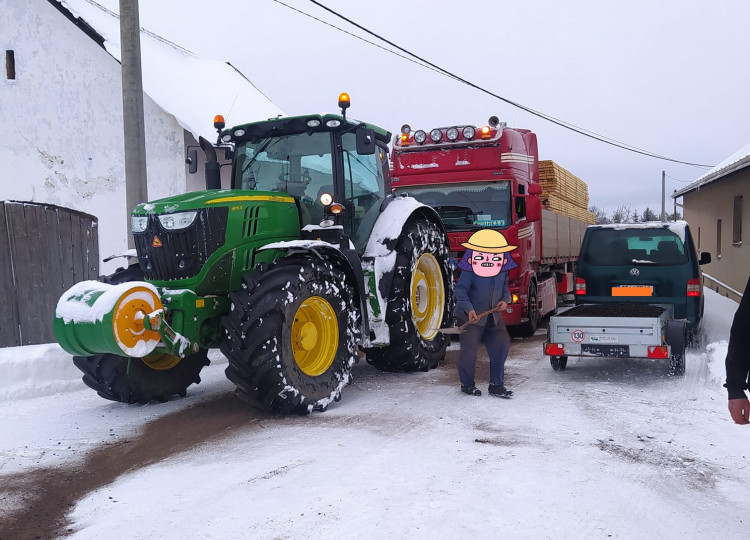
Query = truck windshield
x=466 y=206
x=615 y=247
x=299 y=165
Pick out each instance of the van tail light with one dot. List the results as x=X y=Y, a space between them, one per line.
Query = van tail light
x=580 y=286
x=554 y=349
x=658 y=351
x=694 y=287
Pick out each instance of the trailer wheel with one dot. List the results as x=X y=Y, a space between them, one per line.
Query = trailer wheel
x=559 y=363
x=155 y=377
x=421 y=302
x=291 y=336
x=676 y=338
x=532 y=311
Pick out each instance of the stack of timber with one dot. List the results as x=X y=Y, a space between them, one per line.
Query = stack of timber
x=563 y=192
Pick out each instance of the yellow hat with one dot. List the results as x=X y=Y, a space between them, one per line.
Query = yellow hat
x=488 y=241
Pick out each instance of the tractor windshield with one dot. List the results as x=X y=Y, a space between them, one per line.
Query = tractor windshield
x=300 y=165
x=466 y=206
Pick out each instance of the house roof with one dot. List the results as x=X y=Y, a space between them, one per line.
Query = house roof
x=737 y=161
x=191 y=88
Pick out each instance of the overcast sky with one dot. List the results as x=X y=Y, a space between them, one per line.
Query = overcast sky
x=671 y=77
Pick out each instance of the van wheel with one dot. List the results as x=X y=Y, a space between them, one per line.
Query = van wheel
x=559 y=363
x=532 y=311
x=676 y=338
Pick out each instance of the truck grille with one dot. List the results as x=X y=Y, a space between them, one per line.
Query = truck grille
x=166 y=255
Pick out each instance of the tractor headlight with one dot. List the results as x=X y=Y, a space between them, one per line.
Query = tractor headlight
x=138 y=224
x=180 y=220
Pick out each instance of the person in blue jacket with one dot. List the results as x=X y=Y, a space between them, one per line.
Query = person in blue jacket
x=484 y=285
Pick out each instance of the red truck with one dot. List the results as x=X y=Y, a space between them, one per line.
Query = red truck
x=487 y=177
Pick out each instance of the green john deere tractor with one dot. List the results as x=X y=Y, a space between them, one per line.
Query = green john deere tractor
x=307 y=258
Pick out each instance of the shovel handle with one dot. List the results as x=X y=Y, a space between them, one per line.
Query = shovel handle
x=481 y=316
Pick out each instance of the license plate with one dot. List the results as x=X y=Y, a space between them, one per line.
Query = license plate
x=611 y=351
x=633 y=290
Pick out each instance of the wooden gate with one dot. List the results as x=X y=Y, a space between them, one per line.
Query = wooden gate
x=44 y=250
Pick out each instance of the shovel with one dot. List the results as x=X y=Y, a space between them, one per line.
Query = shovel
x=460 y=329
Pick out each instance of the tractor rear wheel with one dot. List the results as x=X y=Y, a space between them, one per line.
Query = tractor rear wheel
x=420 y=302
x=291 y=336
x=155 y=377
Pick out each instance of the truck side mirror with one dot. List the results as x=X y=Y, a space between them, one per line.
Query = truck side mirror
x=365 y=142
x=533 y=209
x=192 y=161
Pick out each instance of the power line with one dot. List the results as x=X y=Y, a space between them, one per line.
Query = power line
x=561 y=123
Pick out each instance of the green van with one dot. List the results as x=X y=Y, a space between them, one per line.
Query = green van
x=651 y=263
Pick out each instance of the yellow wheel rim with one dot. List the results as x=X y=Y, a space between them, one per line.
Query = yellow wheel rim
x=127 y=321
x=315 y=336
x=427 y=296
x=161 y=362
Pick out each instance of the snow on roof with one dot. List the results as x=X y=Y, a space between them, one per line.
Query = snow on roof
x=191 y=88
x=739 y=160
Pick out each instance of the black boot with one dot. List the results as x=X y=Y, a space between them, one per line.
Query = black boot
x=471 y=390
x=500 y=391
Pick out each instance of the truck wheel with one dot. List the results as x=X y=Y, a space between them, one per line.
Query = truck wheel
x=155 y=377
x=559 y=363
x=676 y=338
x=290 y=336
x=532 y=311
x=420 y=302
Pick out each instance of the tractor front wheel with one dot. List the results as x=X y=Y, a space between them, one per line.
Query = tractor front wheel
x=155 y=377
x=291 y=336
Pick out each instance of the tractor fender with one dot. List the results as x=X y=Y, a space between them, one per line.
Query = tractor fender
x=380 y=253
x=347 y=261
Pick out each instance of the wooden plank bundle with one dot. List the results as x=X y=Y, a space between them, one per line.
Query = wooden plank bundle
x=563 y=192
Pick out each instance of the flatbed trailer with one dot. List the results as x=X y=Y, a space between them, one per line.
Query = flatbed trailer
x=617 y=330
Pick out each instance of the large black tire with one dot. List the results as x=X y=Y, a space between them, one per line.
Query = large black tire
x=141 y=380
x=532 y=312
x=157 y=377
x=291 y=336
x=415 y=342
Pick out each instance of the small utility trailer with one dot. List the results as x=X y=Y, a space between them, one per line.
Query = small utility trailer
x=617 y=330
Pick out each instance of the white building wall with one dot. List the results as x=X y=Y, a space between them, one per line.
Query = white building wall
x=61 y=134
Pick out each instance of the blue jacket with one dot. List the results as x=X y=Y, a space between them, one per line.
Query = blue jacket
x=480 y=294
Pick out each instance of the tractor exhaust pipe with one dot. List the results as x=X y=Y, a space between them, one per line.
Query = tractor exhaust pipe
x=213 y=173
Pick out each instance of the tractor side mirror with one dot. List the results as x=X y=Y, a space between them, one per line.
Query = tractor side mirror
x=192 y=161
x=365 y=142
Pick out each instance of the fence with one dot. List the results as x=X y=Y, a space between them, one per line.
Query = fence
x=44 y=250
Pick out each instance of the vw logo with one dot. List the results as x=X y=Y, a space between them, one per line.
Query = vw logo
x=635 y=272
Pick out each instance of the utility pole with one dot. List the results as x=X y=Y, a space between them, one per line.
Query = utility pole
x=663 y=197
x=132 y=109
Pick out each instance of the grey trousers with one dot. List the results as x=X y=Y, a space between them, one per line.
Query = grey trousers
x=497 y=341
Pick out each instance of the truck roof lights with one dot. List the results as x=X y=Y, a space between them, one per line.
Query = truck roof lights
x=469 y=132
x=486 y=133
x=420 y=136
x=494 y=121
x=452 y=134
x=436 y=135
x=406 y=128
x=219 y=122
x=404 y=139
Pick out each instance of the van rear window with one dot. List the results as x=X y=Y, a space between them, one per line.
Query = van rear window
x=615 y=247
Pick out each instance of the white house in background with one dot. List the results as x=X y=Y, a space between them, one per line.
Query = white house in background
x=717 y=206
x=61 y=129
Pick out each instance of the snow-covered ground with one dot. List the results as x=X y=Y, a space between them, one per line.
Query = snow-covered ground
x=605 y=449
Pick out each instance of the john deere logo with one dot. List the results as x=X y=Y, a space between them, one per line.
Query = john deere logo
x=156 y=242
x=635 y=272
